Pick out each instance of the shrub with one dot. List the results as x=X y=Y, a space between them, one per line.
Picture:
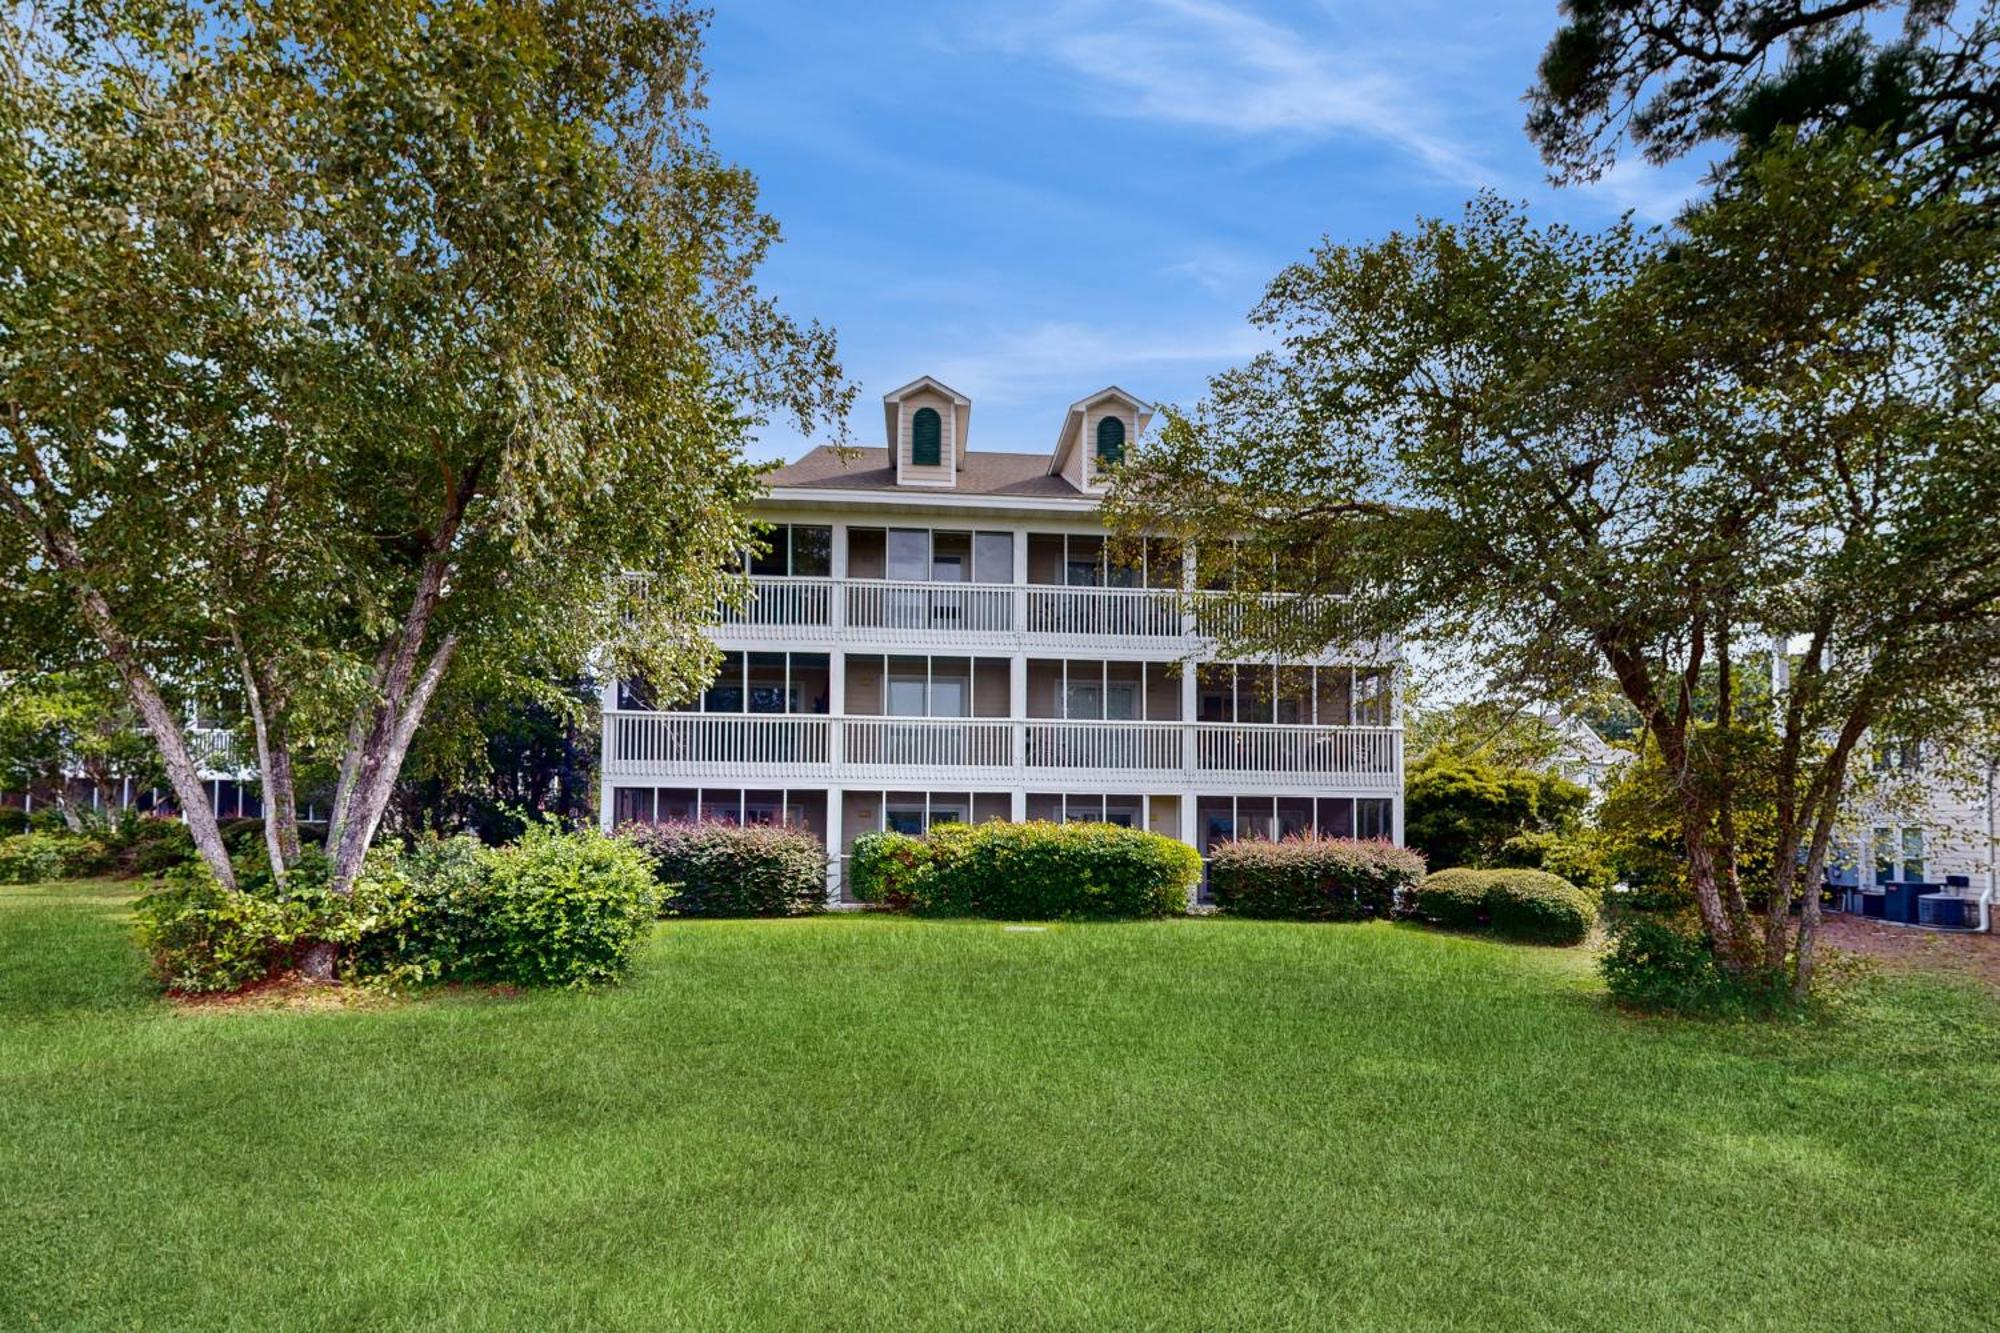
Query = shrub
x=1566 y=856
x=884 y=867
x=1661 y=966
x=711 y=869
x=563 y=909
x=1036 y=871
x=1310 y=878
x=1528 y=905
x=13 y=819
x=554 y=909
x=29 y=858
x=154 y=845
x=203 y=937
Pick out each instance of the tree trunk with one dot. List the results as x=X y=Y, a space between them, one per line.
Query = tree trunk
x=165 y=728
x=389 y=742
x=274 y=846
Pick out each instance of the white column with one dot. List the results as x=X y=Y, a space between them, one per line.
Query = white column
x=1188 y=708
x=1191 y=835
x=1017 y=709
x=836 y=603
x=836 y=704
x=607 y=700
x=835 y=825
x=1020 y=594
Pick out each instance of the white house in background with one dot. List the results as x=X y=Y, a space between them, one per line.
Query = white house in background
x=940 y=633
x=1931 y=819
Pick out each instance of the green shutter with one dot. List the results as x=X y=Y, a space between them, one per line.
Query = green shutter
x=1110 y=440
x=926 y=438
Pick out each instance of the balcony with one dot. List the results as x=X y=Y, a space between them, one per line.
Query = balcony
x=642 y=746
x=802 y=609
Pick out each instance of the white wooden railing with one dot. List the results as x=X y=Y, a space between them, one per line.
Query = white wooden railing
x=789 y=602
x=784 y=606
x=1228 y=748
x=1141 y=613
x=1119 y=746
x=642 y=744
x=660 y=743
x=916 y=742
x=933 y=608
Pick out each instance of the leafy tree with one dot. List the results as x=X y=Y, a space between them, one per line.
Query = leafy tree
x=1561 y=454
x=55 y=725
x=354 y=346
x=491 y=766
x=1672 y=74
x=1463 y=812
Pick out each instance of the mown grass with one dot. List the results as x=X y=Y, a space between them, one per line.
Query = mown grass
x=875 y=1123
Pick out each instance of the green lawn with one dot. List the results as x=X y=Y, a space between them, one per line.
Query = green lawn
x=875 y=1123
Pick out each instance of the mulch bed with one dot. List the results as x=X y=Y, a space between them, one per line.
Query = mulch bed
x=1907 y=948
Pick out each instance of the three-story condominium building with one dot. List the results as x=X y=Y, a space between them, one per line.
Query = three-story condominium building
x=939 y=633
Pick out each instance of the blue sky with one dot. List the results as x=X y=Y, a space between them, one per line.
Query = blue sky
x=1032 y=200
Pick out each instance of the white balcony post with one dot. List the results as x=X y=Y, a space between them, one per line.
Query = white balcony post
x=1017 y=806
x=1017 y=708
x=836 y=704
x=607 y=700
x=834 y=827
x=1020 y=593
x=1188 y=706
x=836 y=594
x=1191 y=835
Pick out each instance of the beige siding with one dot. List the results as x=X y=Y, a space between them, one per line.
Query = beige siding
x=907 y=472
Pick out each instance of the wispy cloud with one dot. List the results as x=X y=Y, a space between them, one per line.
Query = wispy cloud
x=1208 y=64
x=1054 y=362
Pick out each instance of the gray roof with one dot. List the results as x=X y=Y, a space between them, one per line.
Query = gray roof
x=986 y=472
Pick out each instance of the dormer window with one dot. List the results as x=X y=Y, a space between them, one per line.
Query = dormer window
x=1110 y=441
x=926 y=438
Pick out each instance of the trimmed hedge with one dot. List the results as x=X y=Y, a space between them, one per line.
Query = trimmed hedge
x=1034 y=871
x=711 y=869
x=1309 y=878
x=1527 y=905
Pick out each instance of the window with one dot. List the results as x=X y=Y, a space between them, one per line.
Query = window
x=1913 y=855
x=1885 y=855
x=756 y=683
x=993 y=557
x=926 y=438
x=1110 y=440
x=801 y=549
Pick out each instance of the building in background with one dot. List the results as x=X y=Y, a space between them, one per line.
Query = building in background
x=939 y=634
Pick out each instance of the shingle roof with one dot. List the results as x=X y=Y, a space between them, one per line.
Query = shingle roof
x=986 y=472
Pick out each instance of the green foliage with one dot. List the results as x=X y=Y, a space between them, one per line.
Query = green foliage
x=564 y=909
x=1309 y=878
x=713 y=869
x=153 y=846
x=1461 y=812
x=202 y=937
x=460 y=299
x=1574 y=856
x=1676 y=73
x=1526 y=905
x=13 y=820
x=1032 y=871
x=30 y=858
x=554 y=909
x=885 y=867
x=1659 y=966
x=1639 y=820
